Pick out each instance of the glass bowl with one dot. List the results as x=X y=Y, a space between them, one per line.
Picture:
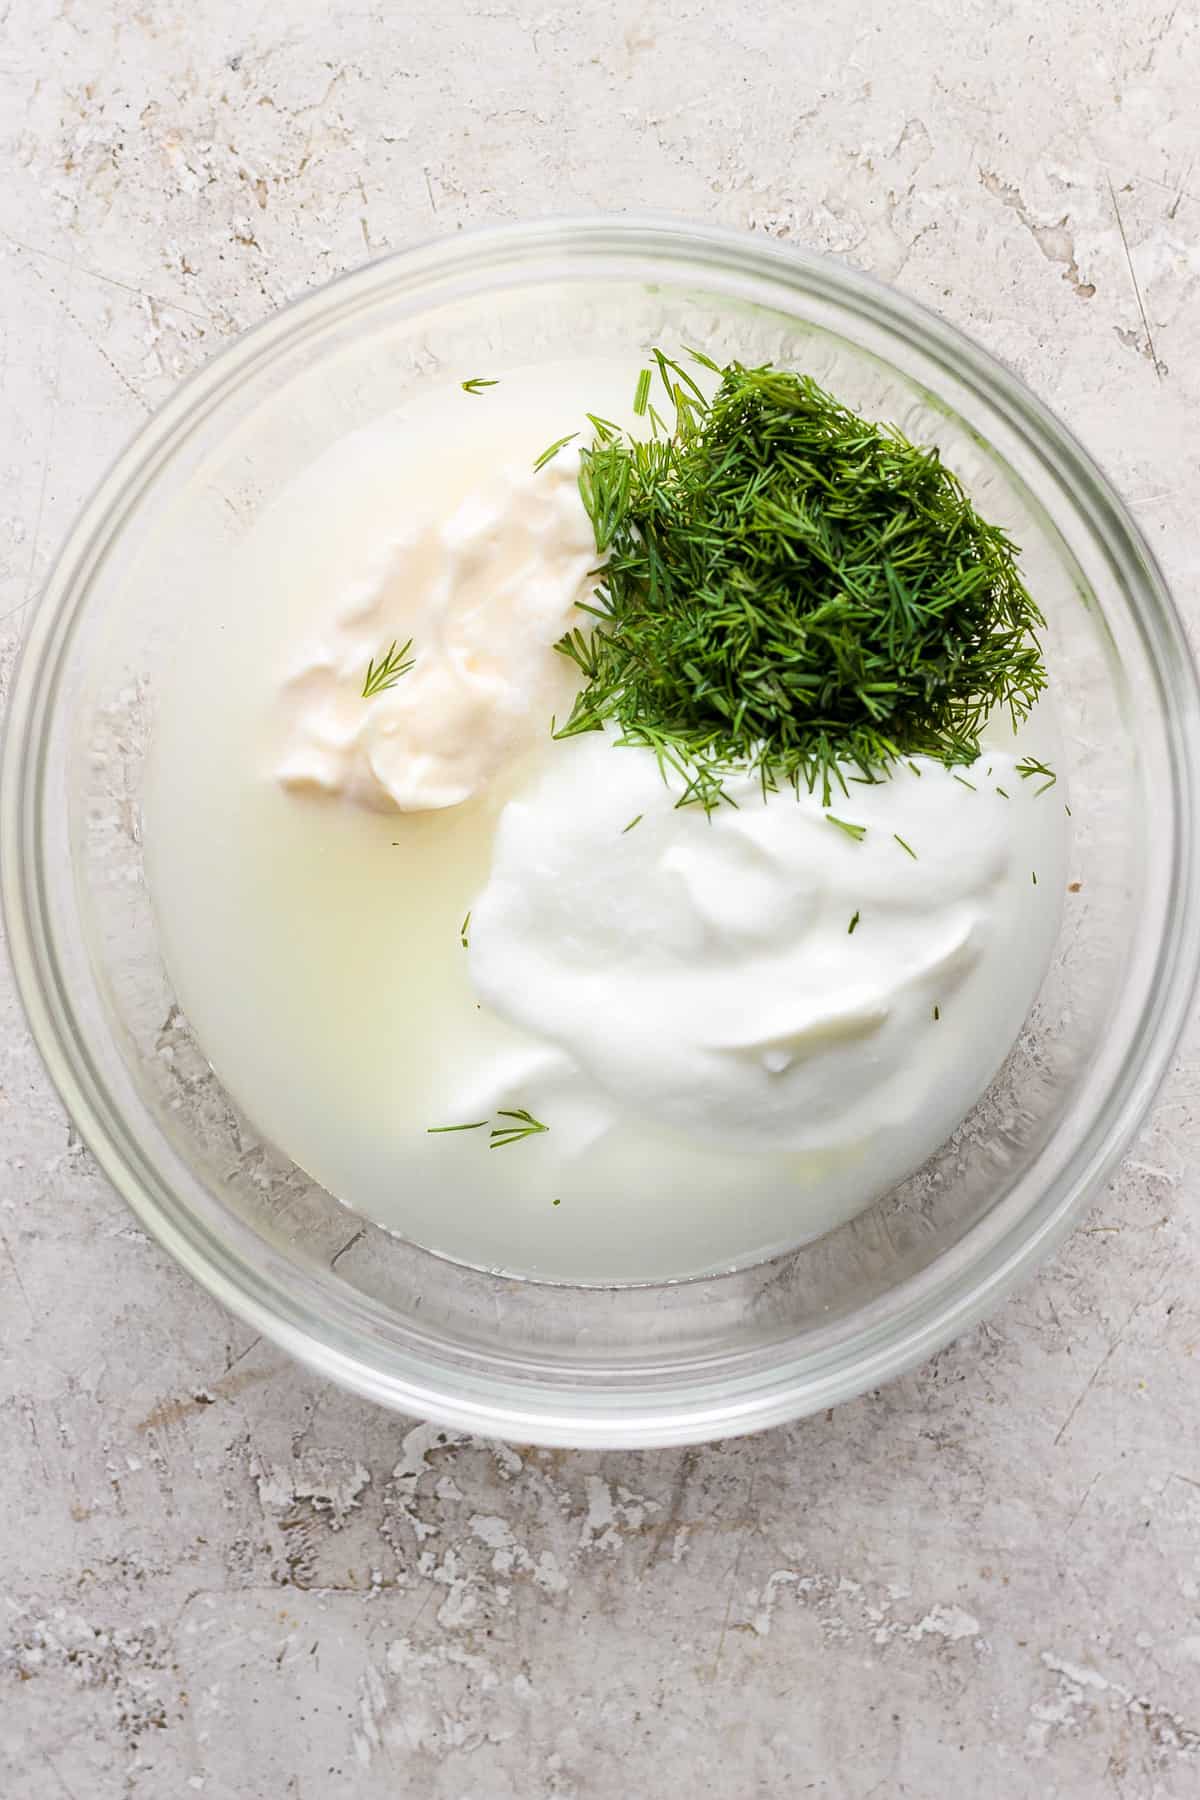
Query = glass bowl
x=547 y=1364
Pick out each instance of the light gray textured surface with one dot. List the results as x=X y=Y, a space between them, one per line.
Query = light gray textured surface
x=219 y=1576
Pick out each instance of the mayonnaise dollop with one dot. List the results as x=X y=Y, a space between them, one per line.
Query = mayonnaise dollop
x=763 y=978
x=483 y=593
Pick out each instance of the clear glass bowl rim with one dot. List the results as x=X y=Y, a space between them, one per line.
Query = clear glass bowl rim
x=308 y=1318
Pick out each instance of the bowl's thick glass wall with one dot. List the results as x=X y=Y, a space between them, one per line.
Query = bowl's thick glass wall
x=632 y=1365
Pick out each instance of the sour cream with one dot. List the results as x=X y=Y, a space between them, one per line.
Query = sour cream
x=783 y=974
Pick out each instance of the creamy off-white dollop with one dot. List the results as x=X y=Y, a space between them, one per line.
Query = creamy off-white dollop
x=761 y=977
x=483 y=593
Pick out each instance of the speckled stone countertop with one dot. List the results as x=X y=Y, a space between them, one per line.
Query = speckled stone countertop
x=220 y=1576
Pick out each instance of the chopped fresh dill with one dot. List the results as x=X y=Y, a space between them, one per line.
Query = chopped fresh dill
x=605 y=430
x=1033 y=872
x=966 y=783
x=850 y=929
x=1066 y=809
x=657 y=423
x=1031 y=766
x=937 y=1013
x=632 y=823
x=463 y=929
x=477 y=384
x=526 y=1126
x=387 y=672
x=641 y=395
x=905 y=846
x=788 y=588
x=552 y=450
x=857 y=832
x=706 y=362
x=1003 y=793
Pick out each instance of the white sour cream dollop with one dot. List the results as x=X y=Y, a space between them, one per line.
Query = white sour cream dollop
x=702 y=971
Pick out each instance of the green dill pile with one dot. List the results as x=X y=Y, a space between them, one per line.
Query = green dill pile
x=791 y=589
